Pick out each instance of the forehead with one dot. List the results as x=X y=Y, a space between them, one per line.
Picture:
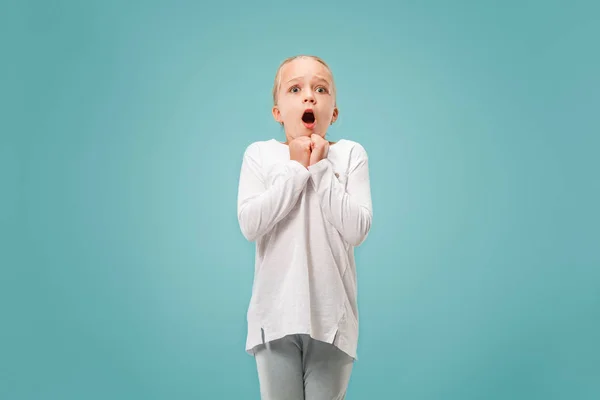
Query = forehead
x=305 y=68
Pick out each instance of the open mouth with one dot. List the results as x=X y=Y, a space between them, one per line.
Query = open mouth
x=308 y=117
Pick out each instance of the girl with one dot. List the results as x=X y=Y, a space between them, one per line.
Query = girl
x=306 y=203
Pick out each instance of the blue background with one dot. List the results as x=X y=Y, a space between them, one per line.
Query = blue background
x=123 y=271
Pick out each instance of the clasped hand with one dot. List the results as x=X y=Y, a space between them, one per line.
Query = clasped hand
x=309 y=150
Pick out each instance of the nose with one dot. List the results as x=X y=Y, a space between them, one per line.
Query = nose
x=309 y=98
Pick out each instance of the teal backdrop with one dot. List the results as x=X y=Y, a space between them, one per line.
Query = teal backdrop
x=124 y=274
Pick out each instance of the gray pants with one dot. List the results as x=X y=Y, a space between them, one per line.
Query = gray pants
x=298 y=367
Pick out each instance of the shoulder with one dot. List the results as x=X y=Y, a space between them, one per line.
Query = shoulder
x=352 y=148
x=257 y=145
x=257 y=149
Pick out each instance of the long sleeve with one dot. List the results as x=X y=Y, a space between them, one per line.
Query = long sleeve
x=347 y=207
x=263 y=200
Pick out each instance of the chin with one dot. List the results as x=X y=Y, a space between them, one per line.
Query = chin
x=317 y=133
x=307 y=132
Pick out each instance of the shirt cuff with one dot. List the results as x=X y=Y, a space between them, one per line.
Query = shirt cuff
x=321 y=172
x=296 y=166
x=290 y=169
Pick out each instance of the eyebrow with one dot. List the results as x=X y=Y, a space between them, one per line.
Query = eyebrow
x=320 y=78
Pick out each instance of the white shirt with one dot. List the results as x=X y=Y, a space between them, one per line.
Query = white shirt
x=306 y=223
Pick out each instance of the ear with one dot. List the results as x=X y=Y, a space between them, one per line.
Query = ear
x=276 y=114
x=335 y=115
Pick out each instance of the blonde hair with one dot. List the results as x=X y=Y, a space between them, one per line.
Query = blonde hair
x=277 y=83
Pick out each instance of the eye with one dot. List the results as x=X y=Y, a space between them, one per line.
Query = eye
x=321 y=89
x=294 y=89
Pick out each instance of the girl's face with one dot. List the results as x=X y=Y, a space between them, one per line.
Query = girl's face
x=306 y=101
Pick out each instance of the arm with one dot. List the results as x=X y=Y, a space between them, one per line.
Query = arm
x=348 y=209
x=259 y=208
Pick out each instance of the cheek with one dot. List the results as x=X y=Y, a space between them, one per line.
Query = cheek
x=284 y=109
x=289 y=112
x=328 y=104
x=327 y=112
